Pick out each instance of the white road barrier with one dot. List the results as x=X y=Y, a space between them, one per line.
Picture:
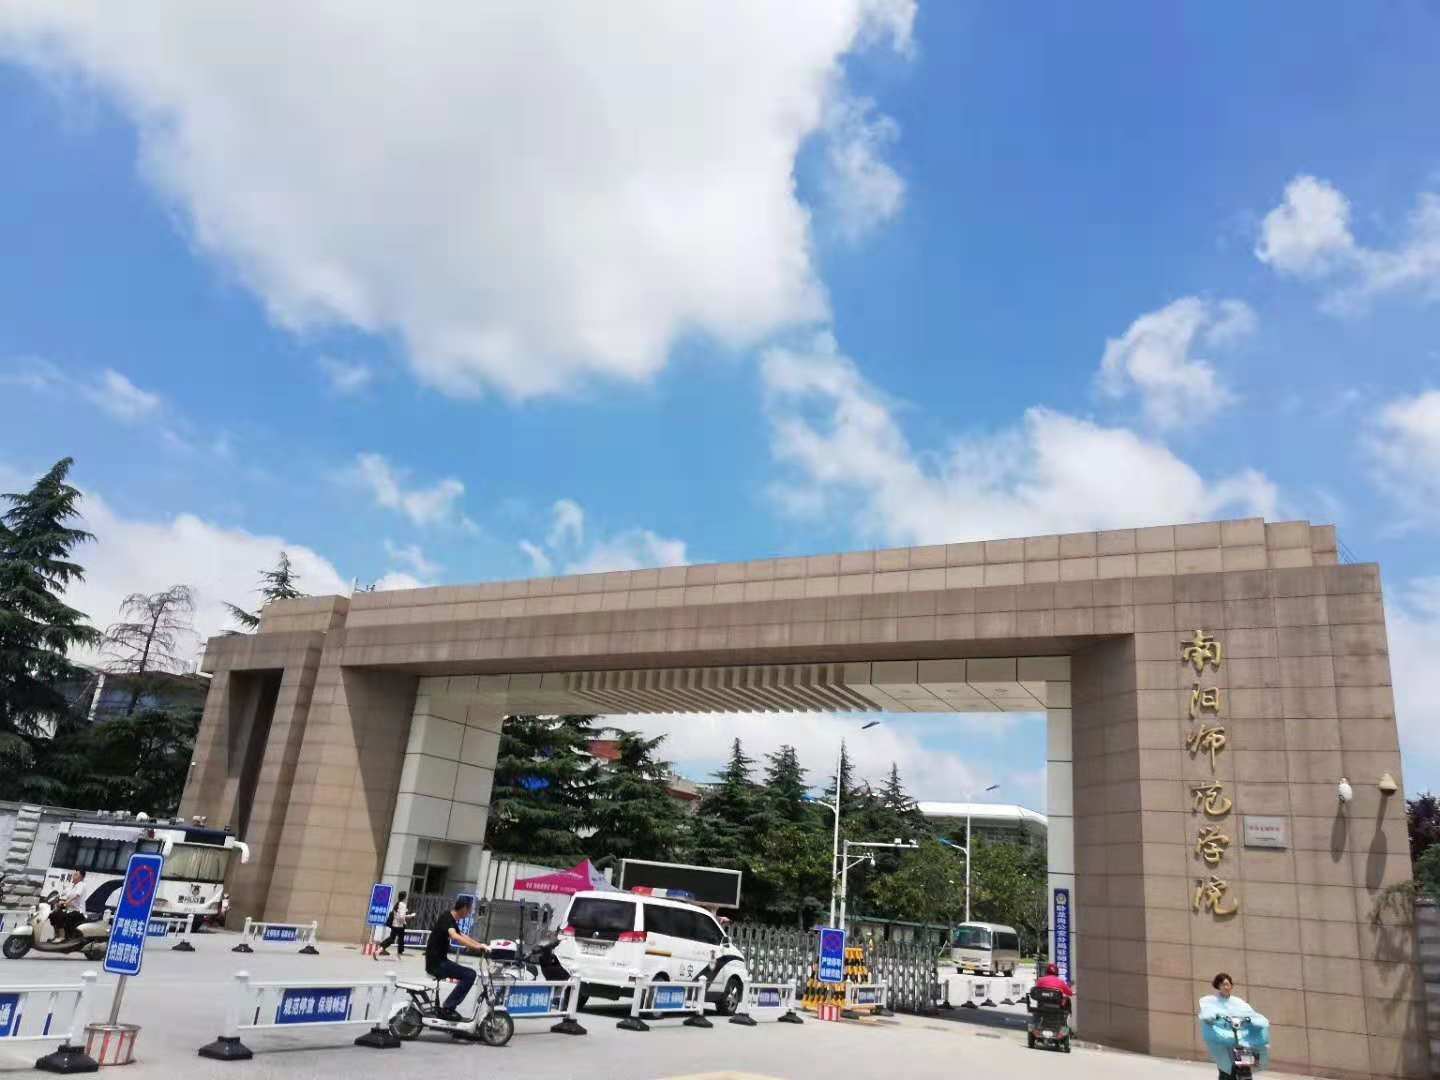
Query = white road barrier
x=766 y=1001
x=11 y=918
x=1016 y=991
x=543 y=1001
x=174 y=927
x=256 y=933
x=872 y=997
x=667 y=998
x=255 y=1005
x=46 y=1013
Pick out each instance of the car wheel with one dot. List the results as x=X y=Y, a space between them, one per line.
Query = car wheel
x=730 y=1000
x=15 y=947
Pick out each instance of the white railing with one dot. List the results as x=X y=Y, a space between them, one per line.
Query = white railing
x=175 y=927
x=542 y=1001
x=50 y=1013
x=271 y=933
x=766 y=1001
x=872 y=996
x=308 y=1003
x=665 y=999
x=12 y=918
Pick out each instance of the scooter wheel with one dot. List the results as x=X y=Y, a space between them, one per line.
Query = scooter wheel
x=15 y=947
x=406 y=1024
x=1030 y=1041
x=94 y=953
x=1065 y=1047
x=496 y=1029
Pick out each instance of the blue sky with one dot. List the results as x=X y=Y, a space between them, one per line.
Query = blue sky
x=529 y=289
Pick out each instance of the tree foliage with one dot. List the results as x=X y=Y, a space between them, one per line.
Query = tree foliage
x=927 y=886
x=281 y=582
x=152 y=640
x=544 y=781
x=1008 y=881
x=37 y=628
x=1422 y=817
x=633 y=814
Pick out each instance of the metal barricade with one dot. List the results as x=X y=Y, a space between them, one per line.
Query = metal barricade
x=766 y=1001
x=38 y=1014
x=1016 y=992
x=667 y=998
x=542 y=1001
x=175 y=927
x=287 y=1004
x=872 y=998
x=12 y=918
x=289 y=933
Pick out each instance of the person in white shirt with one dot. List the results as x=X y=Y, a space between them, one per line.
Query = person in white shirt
x=399 y=916
x=69 y=910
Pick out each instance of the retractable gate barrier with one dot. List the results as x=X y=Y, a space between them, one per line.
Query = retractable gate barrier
x=43 y=1013
x=542 y=1001
x=766 y=1001
x=257 y=932
x=667 y=998
x=285 y=1004
x=175 y=927
x=870 y=997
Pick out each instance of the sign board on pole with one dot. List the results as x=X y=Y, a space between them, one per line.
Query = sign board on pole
x=379 y=904
x=1061 y=924
x=832 y=955
x=132 y=916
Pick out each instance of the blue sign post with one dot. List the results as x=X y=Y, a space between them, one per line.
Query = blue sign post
x=832 y=955
x=131 y=924
x=379 y=904
x=1061 y=925
x=467 y=923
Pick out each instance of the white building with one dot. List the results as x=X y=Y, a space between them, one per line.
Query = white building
x=989 y=821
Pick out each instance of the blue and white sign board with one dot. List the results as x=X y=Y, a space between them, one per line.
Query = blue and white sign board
x=9 y=1014
x=281 y=933
x=522 y=1000
x=158 y=928
x=379 y=904
x=670 y=997
x=468 y=922
x=832 y=955
x=132 y=917
x=313 y=1005
x=1061 y=925
x=767 y=999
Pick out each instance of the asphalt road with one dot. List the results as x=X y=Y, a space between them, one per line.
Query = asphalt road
x=179 y=1001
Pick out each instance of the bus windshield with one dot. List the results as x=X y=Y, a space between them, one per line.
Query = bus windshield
x=971 y=937
x=197 y=862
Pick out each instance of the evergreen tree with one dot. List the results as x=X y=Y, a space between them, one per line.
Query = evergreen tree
x=543 y=784
x=786 y=795
x=900 y=807
x=633 y=813
x=280 y=583
x=37 y=628
x=848 y=789
x=726 y=818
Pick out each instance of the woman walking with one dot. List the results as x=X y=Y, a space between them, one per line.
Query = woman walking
x=395 y=923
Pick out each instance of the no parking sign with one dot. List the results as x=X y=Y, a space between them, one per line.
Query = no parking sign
x=132 y=917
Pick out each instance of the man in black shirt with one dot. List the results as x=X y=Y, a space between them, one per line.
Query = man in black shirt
x=437 y=957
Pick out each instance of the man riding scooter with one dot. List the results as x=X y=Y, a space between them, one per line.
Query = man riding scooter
x=437 y=957
x=69 y=910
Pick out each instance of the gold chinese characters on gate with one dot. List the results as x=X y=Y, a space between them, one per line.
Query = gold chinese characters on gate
x=1207 y=737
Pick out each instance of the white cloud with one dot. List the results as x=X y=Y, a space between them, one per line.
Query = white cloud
x=108 y=390
x=629 y=549
x=412 y=556
x=398 y=579
x=568 y=523
x=220 y=564
x=121 y=398
x=699 y=742
x=1309 y=235
x=1413 y=618
x=1153 y=359
x=846 y=454
x=862 y=190
x=523 y=196
x=431 y=505
x=345 y=377
x=1404 y=442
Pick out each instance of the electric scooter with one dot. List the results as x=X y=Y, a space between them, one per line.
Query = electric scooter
x=489 y=1023
x=89 y=939
x=1243 y=1059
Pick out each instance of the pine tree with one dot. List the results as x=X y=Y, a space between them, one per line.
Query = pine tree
x=786 y=795
x=633 y=813
x=37 y=628
x=152 y=641
x=543 y=784
x=281 y=583
x=900 y=807
x=849 y=794
x=726 y=819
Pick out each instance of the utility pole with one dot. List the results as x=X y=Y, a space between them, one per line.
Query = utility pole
x=848 y=860
x=835 y=839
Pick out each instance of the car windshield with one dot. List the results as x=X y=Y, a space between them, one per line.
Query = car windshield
x=196 y=862
x=971 y=937
x=593 y=917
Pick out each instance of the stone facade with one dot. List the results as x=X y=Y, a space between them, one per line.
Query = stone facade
x=344 y=733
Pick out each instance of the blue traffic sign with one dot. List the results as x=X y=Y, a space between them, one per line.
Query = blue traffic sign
x=132 y=916
x=379 y=904
x=832 y=955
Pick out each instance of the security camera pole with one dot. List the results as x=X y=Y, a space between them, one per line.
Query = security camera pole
x=854 y=860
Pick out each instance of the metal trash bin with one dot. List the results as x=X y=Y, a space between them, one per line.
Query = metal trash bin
x=111 y=1044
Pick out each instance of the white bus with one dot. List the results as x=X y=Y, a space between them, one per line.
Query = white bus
x=197 y=860
x=985 y=948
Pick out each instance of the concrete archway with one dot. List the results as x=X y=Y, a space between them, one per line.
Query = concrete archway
x=384 y=730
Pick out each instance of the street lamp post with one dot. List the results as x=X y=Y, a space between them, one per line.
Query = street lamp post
x=848 y=860
x=968 y=849
x=835 y=809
